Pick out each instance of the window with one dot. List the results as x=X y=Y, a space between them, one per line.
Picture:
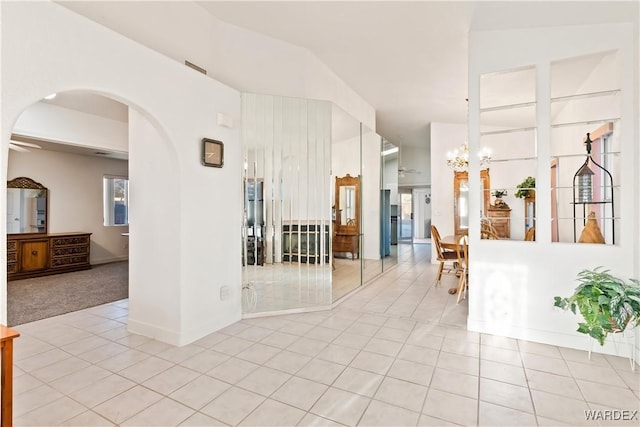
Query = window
x=116 y=200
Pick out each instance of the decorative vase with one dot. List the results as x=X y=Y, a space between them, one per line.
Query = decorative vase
x=591 y=232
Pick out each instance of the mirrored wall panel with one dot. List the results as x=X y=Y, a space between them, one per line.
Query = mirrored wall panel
x=346 y=204
x=585 y=149
x=389 y=205
x=287 y=188
x=508 y=154
x=371 y=208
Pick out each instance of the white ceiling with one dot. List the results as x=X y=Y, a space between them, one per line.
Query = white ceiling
x=407 y=59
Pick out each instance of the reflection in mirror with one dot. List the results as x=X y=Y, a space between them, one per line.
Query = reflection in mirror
x=461 y=197
x=346 y=228
x=389 y=205
x=508 y=130
x=287 y=203
x=586 y=100
x=462 y=200
x=348 y=205
x=26 y=206
x=347 y=241
x=371 y=210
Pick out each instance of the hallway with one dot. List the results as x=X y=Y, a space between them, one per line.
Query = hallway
x=394 y=353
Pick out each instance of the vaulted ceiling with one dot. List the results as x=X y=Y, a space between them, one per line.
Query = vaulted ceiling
x=406 y=59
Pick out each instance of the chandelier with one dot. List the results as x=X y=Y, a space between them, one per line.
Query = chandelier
x=458 y=159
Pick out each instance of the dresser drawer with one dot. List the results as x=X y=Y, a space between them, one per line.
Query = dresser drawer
x=69 y=261
x=69 y=241
x=12 y=267
x=61 y=251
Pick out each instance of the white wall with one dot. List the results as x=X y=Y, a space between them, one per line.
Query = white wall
x=418 y=158
x=55 y=123
x=512 y=284
x=391 y=177
x=59 y=50
x=445 y=137
x=246 y=60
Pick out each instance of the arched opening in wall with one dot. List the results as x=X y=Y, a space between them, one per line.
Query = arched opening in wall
x=68 y=208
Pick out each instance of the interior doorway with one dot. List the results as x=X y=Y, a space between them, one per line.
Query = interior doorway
x=88 y=258
x=405 y=226
x=414 y=225
x=422 y=214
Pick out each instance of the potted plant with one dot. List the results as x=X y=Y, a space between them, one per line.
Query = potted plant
x=526 y=188
x=606 y=303
x=499 y=194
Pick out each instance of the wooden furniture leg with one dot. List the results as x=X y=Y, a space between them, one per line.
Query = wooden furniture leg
x=6 y=375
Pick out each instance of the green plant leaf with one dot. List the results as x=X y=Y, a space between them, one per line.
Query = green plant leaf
x=573 y=307
x=605 y=302
x=583 y=328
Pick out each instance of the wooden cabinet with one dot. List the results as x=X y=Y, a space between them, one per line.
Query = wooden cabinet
x=501 y=221
x=347 y=243
x=34 y=255
x=31 y=255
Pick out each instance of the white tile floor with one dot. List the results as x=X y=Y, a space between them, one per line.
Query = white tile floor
x=394 y=354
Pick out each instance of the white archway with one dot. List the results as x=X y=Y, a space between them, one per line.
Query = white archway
x=180 y=262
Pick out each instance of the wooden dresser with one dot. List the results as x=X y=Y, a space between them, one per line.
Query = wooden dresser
x=501 y=221
x=347 y=242
x=32 y=255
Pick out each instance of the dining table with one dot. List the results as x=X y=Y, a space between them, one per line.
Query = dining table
x=451 y=243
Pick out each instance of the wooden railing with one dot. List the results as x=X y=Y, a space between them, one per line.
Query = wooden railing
x=6 y=376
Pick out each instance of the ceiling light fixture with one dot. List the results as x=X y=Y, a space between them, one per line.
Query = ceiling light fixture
x=50 y=97
x=458 y=159
x=390 y=151
x=20 y=146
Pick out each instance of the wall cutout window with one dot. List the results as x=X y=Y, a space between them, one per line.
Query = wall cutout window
x=115 y=200
x=508 y=129
x=586 y=99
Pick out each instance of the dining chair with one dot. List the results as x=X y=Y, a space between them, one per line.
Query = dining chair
x=487 y=230
x=530 y=235
x=443 y=256
x=462 y=252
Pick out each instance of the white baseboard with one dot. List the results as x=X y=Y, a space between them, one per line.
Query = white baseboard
x=108 y=260
x=152 y=331
x=625 y=343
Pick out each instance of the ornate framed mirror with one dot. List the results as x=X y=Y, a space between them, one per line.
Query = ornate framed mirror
x=346 y=232
x=27 y=206
x=347 y=204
